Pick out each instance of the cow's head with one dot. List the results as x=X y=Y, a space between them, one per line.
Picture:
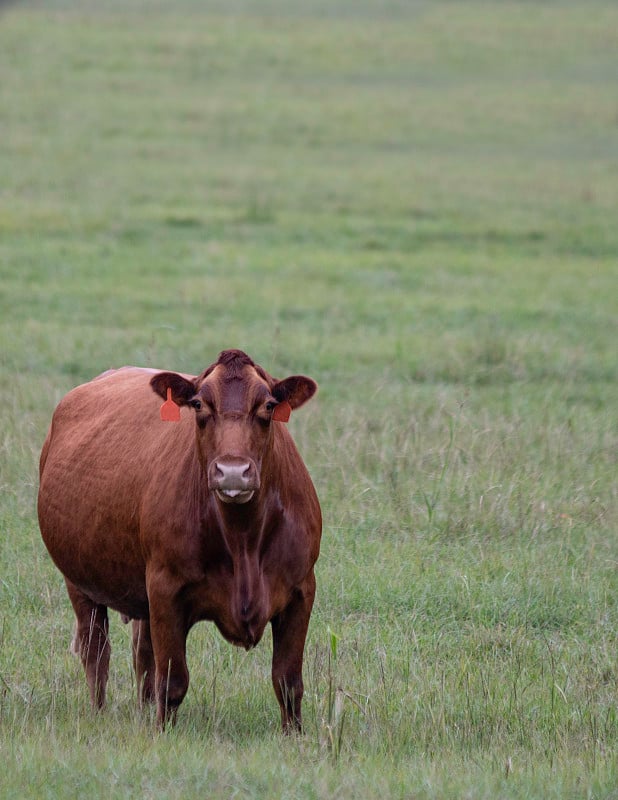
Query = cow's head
x=236 y=407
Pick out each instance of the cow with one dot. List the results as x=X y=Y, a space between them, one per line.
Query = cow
x=197 y=509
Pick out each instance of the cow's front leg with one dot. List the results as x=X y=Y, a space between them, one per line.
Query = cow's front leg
x=168 y=632
x=289 y=633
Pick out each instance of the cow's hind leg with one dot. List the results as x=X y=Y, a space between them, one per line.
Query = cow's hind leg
x=91 y=642
x=143 y=661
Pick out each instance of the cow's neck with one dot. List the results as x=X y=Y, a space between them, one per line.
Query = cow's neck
x=246 y=528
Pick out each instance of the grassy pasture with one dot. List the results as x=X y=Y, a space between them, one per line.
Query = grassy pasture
x=415 y=203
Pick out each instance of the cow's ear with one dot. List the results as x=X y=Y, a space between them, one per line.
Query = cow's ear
x=295 y=390
x=182 y=389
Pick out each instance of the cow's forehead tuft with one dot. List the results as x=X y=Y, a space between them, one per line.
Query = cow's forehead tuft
x=235 y=359
x=233 y=366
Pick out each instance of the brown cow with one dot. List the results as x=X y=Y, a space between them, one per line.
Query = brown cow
x=212 y=518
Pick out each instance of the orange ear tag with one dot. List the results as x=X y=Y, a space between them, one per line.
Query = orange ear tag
x=282 y=411
x=169 y=411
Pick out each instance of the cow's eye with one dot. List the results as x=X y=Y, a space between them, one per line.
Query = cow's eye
x=197 y=404
x=270 y=405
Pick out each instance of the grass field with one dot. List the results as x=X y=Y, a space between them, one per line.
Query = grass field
x=416 y=204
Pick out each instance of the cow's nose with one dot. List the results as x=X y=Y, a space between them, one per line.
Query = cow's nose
x=233 y=479
x=233 y=476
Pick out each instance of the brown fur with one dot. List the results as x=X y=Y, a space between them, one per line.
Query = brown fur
x=144 y=517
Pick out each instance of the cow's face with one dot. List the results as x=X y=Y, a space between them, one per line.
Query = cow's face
x=236 y=406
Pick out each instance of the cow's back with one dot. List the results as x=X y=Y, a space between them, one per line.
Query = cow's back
x=106 y=452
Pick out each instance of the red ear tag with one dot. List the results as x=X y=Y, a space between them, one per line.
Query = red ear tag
x=282 y=411
x=169 y=411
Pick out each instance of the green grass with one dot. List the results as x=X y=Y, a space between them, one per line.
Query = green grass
x=414 y=203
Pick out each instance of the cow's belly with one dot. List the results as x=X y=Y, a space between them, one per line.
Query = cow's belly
x=115 y=583
x=96 y=552
x=126 y=597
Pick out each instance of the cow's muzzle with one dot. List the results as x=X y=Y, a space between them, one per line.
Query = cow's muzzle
x=233 y=479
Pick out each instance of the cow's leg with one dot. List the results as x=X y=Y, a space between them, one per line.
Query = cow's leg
x=289 y=634
x=171 y=673
x=168 y=631
x=91 y=642
x=143 y=661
